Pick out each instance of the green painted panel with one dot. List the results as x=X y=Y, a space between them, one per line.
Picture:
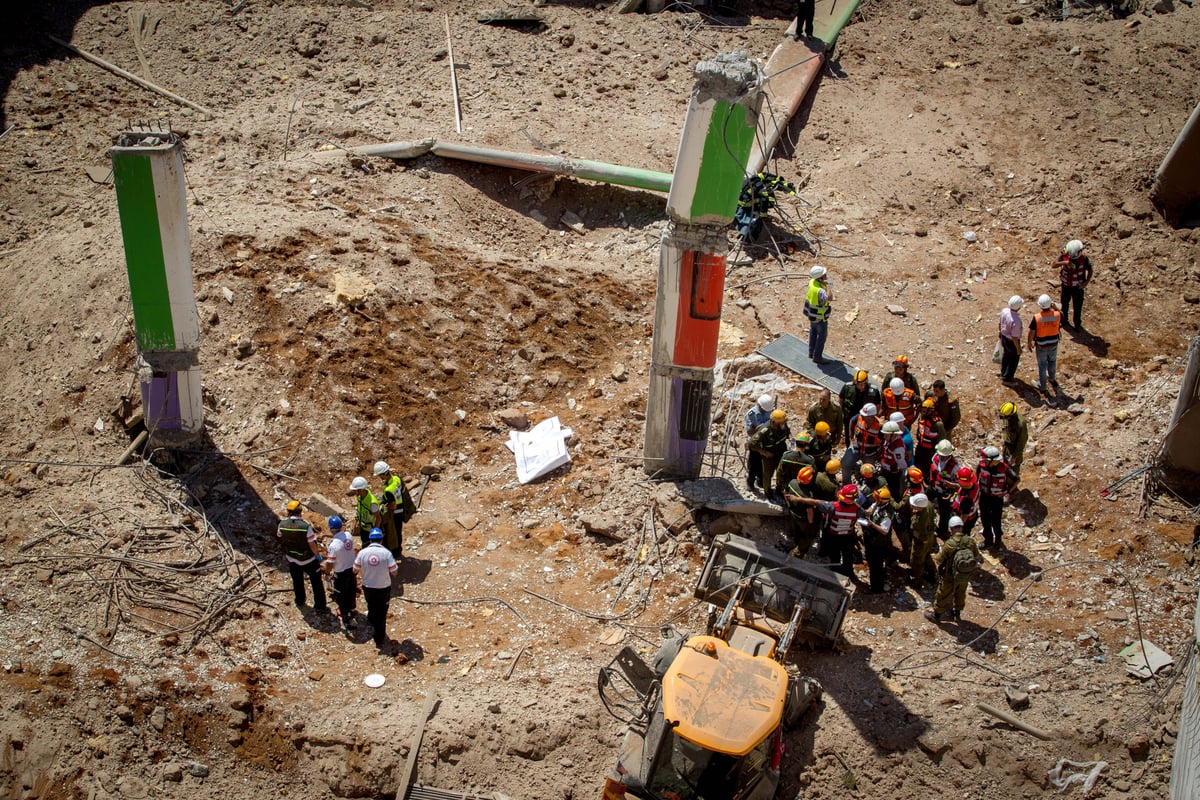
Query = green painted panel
x=723 y=163
x=133 y=178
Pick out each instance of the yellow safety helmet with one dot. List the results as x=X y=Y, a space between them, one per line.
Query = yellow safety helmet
x=833 y=466
x=779 y=415
x=1008 y=408
x=861 y=376
x=822 y=428
x=882 y=494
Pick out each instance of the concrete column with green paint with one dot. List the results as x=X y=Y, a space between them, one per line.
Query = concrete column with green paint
x=152 y=203
x=710 y=169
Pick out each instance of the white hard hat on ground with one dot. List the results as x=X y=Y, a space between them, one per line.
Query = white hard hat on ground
x=1015 y=302
x=817 y=272
x=1044 y=301
x=358 y=483
x=766 y=403
x=381 y=468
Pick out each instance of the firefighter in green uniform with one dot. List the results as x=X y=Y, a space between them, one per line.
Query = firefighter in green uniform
x=303 y=554
x=805 y=520
x=792 y=461
x=770 y=441
x=923 y=533
x=957 y=561
x=1016 y=435
x=821 y=446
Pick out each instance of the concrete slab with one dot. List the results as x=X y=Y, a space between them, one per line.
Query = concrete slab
x=792 y=353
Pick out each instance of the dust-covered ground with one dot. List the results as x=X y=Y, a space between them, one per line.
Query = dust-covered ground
x=149 y=642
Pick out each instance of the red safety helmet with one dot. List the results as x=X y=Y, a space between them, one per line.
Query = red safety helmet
x=848 y=492
x=965 y=476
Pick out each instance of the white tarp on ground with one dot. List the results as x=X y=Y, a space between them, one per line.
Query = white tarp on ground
x=539 y=450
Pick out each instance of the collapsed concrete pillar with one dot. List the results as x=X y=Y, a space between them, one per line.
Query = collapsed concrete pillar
x=1176 y=190
x=710 y=169
x=152 y=202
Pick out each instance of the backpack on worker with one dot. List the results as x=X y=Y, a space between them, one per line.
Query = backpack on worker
x=964 y=565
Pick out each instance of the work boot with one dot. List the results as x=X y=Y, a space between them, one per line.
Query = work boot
x=933 y=617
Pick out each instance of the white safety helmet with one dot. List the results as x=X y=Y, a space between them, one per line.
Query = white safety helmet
x=766 y=403
x=897 y=385
x=919 y=500
x=955 y=522
x=991 y=453
x=1074 y=248
x=1044 y=301
x=358 y=483
x=890 y=427
x=1015 y=302
x=382 y=468
x=945 y=448
x=817 y=272
x=897 y=417
x=869 y=410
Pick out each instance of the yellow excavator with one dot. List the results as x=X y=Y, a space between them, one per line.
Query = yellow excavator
x=706 y=720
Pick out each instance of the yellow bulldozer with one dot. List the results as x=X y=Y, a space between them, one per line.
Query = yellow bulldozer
x=706 y=719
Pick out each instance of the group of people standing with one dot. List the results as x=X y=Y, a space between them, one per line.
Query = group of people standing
x=899 y=484
x=378 y=524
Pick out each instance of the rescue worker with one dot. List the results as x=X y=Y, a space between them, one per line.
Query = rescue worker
x=905 y=435
x=340 y=563
x=868 y=481
x=892 y=462
x=396 y=508
x=900 y=370
x=821 y=445
x=1074 y=274
x=1010 y=338
x=965 y=503
x=943 y=482
x=996 y=480
x=758 y=415
x=864 y=443
x=928 y=432
x=914 y=483
x=816 y=308
x=1016 y=435
x=792 y=461
x=946 y=405
x=804 y=520
x=954 y=572
x=299 y=542
x=1043 y=341
x=898 y=398
x=805 y=11
x=922 y=530
x=840 y=535
x=366 y=508
x=375 y=564
x=770 y=441
x=876 y=527
x=825 y=485
x=829 y=412
x=854 y=395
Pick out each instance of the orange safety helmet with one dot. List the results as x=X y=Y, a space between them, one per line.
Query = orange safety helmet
x=805 y=475
x=915 y=475
x=867 y=470
x=900 y=361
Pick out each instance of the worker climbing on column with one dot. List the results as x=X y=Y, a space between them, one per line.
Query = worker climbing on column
x=817 y=307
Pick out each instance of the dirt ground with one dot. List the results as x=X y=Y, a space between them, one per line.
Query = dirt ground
x=149 y=644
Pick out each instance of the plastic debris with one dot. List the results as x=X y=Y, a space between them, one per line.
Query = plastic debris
x=1088 y=771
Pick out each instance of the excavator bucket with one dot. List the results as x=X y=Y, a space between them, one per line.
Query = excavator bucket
x=775 y=584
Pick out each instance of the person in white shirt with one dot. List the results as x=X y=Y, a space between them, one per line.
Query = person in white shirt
x=376 y=565
x=1010 y=338
x=341 y=564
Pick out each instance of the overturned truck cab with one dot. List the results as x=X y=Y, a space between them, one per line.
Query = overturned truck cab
x=706 y=720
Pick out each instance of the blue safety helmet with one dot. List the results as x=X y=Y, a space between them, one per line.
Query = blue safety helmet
x=335 y=523
x=376 y=533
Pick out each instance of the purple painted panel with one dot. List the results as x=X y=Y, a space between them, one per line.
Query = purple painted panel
x=685 y=454
x=160 y=399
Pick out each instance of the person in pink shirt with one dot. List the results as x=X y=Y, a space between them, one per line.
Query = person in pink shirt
x=1010 y=338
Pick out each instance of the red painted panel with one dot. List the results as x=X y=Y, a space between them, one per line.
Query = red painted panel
x=701 y=288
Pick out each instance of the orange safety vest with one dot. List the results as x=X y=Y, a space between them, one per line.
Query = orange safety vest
x=902 y=403
x=927 y=435
x=1046 y=328
x=867 y=439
